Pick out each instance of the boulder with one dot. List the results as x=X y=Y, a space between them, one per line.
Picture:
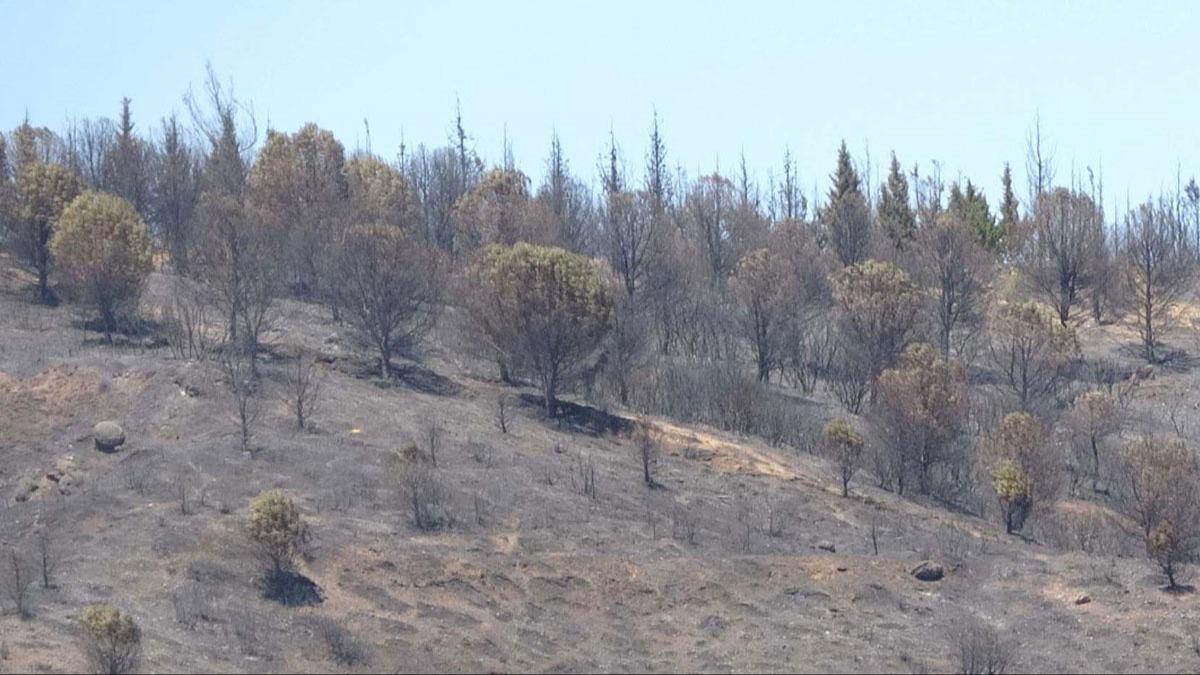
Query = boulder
x=109 y=436
x=929 y=571
x=827 y=546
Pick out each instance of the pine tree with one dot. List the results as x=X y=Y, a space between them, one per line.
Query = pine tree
x=1009 y=217
x=657 y=181
x=176 y=194
x=846 y=216
x=794 y=204
x=4 y=174
x=895 y=214
x=556 y=183
x=970 y=206
x=125 y=168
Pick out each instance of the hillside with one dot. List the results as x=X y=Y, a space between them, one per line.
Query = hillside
x=747 y=559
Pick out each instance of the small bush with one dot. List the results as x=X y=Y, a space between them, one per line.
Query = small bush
x=342 y=647
x=17 y=579
x=980 y=649
x=1013 y=488
x=112 y=640
x=842 y=444
x=427 y=497
x=190 y=601
x=276 y=527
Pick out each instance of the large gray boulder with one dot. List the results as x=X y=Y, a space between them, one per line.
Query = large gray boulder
x=109 y=436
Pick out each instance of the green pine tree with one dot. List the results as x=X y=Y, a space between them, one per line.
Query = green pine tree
x=846 y=217
x=971 y=207
x=1009 y=217
x=895 y=214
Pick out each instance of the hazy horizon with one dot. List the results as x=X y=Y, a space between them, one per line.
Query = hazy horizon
x=959 y=84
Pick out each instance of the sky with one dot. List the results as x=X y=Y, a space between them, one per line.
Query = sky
x=1115 y=85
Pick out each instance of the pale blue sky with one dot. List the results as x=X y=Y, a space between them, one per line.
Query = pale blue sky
x=958 y=82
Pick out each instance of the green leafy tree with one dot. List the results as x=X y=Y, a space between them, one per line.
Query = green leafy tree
x=103 y=252
x=43 y=192
x=540 y=309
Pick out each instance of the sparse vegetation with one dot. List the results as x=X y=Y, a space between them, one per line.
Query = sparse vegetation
x=305 y=384
x=17 y=580
x=965 y=361
x=982 y=649
x=344 y=650
x=648 y=452
x=1162 y=494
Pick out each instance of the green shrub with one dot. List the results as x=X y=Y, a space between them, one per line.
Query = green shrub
x=103 y=253
x=276 y=526
x=113 y=641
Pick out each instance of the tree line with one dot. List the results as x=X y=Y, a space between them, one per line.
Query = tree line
x=709 y=298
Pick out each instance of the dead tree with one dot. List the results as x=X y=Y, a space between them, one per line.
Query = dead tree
x=238 y=368
x=1159 y=262
x=305 y=383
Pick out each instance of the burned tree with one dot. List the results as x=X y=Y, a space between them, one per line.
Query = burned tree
x=388 y=287
x=1158 y=261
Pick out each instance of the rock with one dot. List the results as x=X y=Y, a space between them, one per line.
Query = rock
x=714 y=625
x=827 y=546
x=186 y=389
x=1083 y=599
x=109 y=436
x=929 y=571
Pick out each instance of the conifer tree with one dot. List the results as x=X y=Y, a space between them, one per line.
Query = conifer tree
x=1009 y=217
x=895 y=214
x=846 y=216
x=125 y=167
x=969 y=205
